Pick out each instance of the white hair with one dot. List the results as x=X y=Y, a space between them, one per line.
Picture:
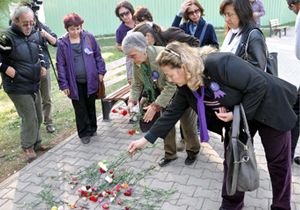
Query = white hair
x=134 y=40
x=19 y=11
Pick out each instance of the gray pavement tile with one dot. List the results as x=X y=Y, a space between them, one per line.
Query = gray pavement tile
x=2 y=201
x=162 y=185
x=181 y=179
x=212 y=194
x=216 y=175
x=190 y=201
x=262 y=193
x=197 y=181
x=210 y=205
x=192 y=172
x=168 y=206
x=297 y=206
x=4 y=191
x=296 y=187
x=34 y=189
x=17 y=185
x=188 y=190
x=9 y=204
x=256 y=202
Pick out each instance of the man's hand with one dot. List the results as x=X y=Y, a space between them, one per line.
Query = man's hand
x=43 y=71
x=11 y=72
x=149 y=113
x=135 y=145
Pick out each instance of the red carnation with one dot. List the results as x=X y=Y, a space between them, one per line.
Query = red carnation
x=93 y=198
x=124 y=112
x=114 y=111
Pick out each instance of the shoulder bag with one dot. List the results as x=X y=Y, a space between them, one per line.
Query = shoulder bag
x=101 y=88
x=242 y=174
x=272 y=63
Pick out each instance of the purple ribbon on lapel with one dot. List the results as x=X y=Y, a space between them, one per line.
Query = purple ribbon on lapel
x=201 y=116
x=216 y=88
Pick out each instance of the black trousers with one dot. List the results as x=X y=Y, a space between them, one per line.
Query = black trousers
x=85 y=112
x=295 y=131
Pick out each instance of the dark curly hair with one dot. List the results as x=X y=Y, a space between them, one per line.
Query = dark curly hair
x=125 y=4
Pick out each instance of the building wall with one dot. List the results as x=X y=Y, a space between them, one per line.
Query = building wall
x=100 y=18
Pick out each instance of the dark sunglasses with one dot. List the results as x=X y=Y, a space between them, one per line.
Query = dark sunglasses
x=124 y=14
x=193 y=12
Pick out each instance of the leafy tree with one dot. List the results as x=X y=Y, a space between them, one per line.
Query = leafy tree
x=4 y=11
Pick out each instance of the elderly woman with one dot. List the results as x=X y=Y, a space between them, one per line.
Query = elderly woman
x=80 y=67
x=239 y=19
x=148 y=78
x=215 y=80
x=194 y=24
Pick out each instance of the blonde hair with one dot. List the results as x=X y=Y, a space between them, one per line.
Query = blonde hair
x=177 y=54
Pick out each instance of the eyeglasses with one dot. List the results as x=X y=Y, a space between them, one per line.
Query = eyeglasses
x=26 y=24
x=124 y=14
x=197 y=11
x=228 y=15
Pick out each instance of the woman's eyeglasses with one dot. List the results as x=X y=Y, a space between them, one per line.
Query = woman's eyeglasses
x=229 y=15
x=123 y=14
x=197 y=11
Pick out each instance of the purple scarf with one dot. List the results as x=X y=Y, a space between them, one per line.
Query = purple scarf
x=201 y=116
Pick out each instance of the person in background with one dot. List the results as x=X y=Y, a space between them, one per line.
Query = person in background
x=49 y=37
x=238 y=17
x=294 y=5
x=80 y=67
x=142 y=14
x=21 y=66
x=124 y=11
x=192 y=12
x=197 y=73
x=258 y=11
x=158 y=92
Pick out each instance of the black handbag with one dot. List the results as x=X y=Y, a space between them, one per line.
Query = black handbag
x=272 y=62
x=242 y=174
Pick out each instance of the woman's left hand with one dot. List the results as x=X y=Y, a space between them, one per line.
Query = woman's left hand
x=149 y=113
x=224 y=115
x=101 y=77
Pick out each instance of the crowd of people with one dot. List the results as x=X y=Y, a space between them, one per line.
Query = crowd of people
x=181 y=73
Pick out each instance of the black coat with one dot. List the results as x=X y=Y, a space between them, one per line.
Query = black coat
x=266 y=99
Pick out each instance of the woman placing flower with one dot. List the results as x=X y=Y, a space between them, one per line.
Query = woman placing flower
x=148 y=78
x=80 y=67
x=215 y=83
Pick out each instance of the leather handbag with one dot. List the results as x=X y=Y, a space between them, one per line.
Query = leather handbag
x=101 y=91
x=272 y=62
x=242 y=174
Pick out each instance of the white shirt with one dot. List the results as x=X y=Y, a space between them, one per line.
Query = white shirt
x=232 y=47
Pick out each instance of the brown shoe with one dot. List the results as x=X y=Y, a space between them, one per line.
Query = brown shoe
x=30 y=154
x=41 y=148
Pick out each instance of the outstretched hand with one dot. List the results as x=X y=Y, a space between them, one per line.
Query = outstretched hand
x=135 y=145
x=224 y=115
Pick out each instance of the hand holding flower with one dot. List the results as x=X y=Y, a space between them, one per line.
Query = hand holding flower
x=135 y=145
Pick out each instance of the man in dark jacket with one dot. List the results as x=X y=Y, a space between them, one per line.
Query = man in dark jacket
x=21 y=65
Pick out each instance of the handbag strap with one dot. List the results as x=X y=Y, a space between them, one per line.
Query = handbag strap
x=203 y=33
x=247 y=44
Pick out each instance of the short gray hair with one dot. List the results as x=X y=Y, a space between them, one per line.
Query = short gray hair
x=134 y=40
x=19 y=11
